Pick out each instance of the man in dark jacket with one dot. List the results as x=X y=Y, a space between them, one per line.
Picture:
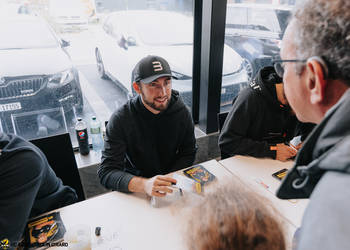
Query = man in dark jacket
x=261 y=123
x=148 y=137
x=28 y=187
x=316 y=73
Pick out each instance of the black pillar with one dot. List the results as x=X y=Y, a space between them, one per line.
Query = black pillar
x=212 y=49
x=197 y=39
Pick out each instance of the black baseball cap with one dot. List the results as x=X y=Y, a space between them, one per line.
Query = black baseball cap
x=150 y=68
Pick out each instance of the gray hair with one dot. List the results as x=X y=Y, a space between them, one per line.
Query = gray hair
x=323 y=29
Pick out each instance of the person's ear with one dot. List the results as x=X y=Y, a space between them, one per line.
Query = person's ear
x=136 y=87
x=317 y=80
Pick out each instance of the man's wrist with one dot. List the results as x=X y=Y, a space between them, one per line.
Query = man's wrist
x=137 y=184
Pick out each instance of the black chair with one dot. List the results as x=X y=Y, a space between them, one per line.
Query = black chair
x=221 y=117
x=59 y=153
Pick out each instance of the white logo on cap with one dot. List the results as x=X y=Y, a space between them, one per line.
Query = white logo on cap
x=157 y=66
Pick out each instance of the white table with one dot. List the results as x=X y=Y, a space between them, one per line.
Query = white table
x=136 y=224
x=257 y=174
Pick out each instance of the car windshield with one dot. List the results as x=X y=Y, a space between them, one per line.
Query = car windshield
x=283 y=18
x=66 y=8
x=165 y=31
x=26 y=35
x=257 y=19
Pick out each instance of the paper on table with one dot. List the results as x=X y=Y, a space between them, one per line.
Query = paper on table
x=168 y=199
x=187 y=184
x=267 y=187
x=295 y=141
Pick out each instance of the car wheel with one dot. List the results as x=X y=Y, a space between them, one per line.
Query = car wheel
x=247 y=65
x=100 y=66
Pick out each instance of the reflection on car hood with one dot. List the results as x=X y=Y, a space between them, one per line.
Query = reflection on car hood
x=179 y=57
x=19 y=62
x=261 y=34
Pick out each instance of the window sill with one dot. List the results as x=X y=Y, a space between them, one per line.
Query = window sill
x=94 y=158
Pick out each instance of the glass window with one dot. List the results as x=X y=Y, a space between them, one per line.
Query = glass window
x=76 y=56
x=175 y=31
x=253 y=34
x=33 y=35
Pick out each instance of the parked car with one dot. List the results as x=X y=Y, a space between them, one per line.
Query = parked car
x=128 y=36
x=68 y=15
x=36 y=72
x=7 y=9
x=255 y=31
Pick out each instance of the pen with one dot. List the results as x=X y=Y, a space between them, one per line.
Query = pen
x=264 y=185
x=176 y=187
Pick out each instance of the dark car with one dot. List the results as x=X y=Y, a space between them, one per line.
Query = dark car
x=36 y=73
x=255 y=31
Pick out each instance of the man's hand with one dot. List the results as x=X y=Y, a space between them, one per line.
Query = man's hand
x=299 y=146
x=158 y=185
x=284 y=152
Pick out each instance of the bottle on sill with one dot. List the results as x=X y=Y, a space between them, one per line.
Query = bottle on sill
x=82 y=136
x=96 y=135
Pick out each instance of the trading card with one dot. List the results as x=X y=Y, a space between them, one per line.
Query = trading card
x=280 y=174
x=199 y=174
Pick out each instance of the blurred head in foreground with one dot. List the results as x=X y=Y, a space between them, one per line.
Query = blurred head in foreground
x=233 y=217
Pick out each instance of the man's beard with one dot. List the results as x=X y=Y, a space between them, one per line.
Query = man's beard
x=153 y=104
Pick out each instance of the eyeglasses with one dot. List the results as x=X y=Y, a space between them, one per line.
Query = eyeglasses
x=279 y=67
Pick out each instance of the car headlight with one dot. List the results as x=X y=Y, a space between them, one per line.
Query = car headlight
x=62 y=78
x=180 y=76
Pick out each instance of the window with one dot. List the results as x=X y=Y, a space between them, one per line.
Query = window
x=253 y=33
x=76 y=56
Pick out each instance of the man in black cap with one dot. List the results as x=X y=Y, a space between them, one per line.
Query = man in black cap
x=261 y=123
x=149 y=136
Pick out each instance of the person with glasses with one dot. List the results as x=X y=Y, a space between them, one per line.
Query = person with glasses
x=149 y=136
x=261 y=123
x=315 y=64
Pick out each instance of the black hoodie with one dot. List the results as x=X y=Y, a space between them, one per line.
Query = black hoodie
x=140 y=143
x=258 y=120
x=28 y=186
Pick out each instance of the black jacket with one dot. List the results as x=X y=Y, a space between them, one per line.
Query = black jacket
x=28 y=186
x=140 y=143
x=258 y=120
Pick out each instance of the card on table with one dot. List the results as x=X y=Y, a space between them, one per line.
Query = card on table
x=199 y=174
x=279 y=175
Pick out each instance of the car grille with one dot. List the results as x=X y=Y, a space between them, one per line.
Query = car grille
x=17 y=88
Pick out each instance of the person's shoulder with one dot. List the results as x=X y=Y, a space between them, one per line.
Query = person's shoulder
x=331 y=190
x=33 y=157
x=332 y=186
x=247 y=91
x=26 y=161
x=247 y=100
x=177 y=105
x=247 y=95
x=326 y=223
x=124 y=111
